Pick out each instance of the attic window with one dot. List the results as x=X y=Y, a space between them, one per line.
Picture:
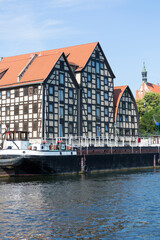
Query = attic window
x=2 y=72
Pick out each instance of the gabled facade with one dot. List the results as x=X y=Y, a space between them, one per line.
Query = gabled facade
x=63 y=92
x=125 y=112
x=41 y=96
x=96 y=117
x=146 y=86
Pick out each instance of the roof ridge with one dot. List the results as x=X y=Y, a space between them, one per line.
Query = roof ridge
x=54 y=49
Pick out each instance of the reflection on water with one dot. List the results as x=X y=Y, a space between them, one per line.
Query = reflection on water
x=105 y=206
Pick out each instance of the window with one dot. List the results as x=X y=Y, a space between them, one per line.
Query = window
x=132 y=119
x=97 y=67
x=61 y=95
x=98 y=83
x=61 y=78
x=105 y=80
x=35 y=90
x=7 y=111
x=16 y=109
x=97 y=54
x=89 y=126
x=123 y=105
x=133 y=132
x=126 y=118
x=8 y=93
x=120 y=118
x=35 y=107
x=70 y=128
x=101 y=65
x=25 y=109
x=106 y=111
x=89 y=93
x=121 y=132
x=98 y=130
x=106 y=127
x=129 y=106
x=98 y=112
x=51 y=108
x=61 y=130
x=89 y=109
x=89 y=77
x=70 y=93
x=50 y=90
x=50 y=129
x=26 y=91
x=61 y=112
x=0 y=94
x=127 y=132
x=98 y=98
x=17 y=93
x=70 y=110
x=93 y=63
x=30 y=91
x=105 y=96
x=0 y=111
x=126 y=94
x=61 y=65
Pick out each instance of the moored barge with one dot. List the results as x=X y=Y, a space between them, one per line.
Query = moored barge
x=20 y=158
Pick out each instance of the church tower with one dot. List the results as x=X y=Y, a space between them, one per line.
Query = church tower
x=144 y=73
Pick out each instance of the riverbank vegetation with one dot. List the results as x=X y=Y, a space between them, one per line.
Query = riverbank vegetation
x=149 y=114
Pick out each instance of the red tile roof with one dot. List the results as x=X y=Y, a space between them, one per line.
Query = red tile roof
x=36 y=72
x=118 y=91
x=153 y=88
x=43 y=63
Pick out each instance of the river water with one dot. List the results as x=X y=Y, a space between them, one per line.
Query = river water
x=123 y=205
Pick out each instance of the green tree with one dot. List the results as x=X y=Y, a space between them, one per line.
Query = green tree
x=149 y=109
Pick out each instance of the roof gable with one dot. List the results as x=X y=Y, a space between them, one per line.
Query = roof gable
x=118 y=92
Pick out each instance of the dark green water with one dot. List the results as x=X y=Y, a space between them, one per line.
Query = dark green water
x=104 y=206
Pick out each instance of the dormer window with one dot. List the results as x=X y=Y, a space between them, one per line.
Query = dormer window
x=2 y=72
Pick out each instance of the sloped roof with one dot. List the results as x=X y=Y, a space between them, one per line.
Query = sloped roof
x=153 y=88
x=36 y=72
x=118 y=91
x=43 y=63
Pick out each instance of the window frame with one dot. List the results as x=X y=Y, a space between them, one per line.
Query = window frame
x=89 y=93
x=61 y=95
x=61 y=80
x=105 y=94
x=8 y=93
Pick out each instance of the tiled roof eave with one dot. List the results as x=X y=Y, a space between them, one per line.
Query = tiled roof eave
x=30 y=82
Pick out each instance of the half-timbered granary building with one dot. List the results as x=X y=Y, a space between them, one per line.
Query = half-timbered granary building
x=125 y=112
x=38 y=93
x=62 y=92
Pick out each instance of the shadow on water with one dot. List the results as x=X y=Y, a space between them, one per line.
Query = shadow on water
x=76 y=177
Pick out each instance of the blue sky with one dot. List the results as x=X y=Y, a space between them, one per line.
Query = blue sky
x=128 y=31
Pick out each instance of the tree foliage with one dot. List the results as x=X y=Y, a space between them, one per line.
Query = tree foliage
x=149 y=109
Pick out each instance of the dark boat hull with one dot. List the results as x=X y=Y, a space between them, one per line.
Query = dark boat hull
x=80 y=163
